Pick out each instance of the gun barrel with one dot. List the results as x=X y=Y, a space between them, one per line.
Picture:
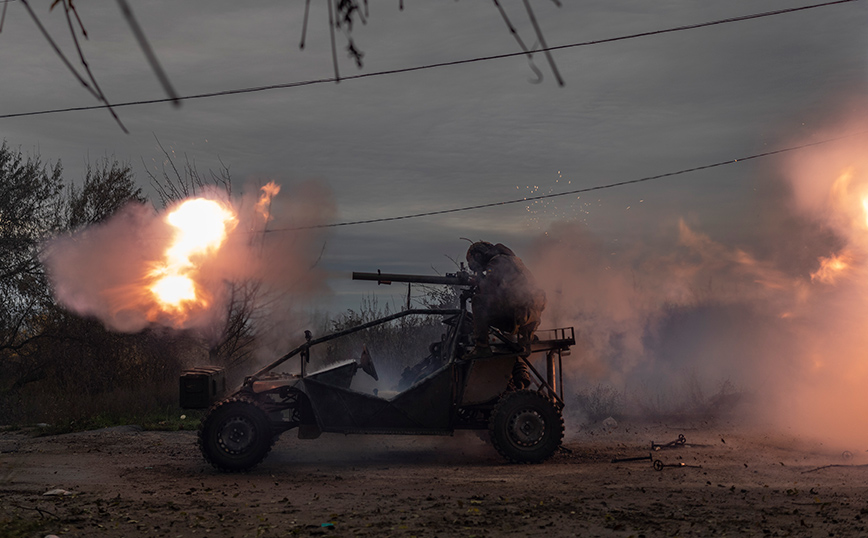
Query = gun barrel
x=388 y=278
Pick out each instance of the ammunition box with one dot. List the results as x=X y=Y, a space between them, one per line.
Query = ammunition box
x=202 y=386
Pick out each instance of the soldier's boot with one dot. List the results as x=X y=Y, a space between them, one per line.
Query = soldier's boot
x=520 y=376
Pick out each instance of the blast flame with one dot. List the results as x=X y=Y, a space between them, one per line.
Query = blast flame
x=865 y=207
x=832 y=268
x=201 y=226
x=269 y=191
x=847 y=191
x=851 y=216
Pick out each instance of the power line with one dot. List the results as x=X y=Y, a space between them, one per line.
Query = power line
x=428 y=66
x=526 y=199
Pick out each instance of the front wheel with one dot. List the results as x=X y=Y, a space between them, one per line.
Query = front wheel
x=235 y=435
x=526 y=427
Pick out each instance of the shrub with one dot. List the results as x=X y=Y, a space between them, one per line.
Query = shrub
x=600 y=402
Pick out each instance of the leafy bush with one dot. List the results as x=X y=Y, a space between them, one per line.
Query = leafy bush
x=691 y=401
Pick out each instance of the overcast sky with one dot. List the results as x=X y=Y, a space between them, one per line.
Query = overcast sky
x=452 y=136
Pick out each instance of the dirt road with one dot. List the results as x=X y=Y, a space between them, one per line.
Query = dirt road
x=125 y=482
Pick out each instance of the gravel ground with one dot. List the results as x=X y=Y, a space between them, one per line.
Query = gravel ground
x=723 y=481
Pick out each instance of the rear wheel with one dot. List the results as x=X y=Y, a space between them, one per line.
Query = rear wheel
x=526 y=427
x=236 y=435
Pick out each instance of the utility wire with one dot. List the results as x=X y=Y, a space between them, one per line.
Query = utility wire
x=429 y=66
x=526 y=199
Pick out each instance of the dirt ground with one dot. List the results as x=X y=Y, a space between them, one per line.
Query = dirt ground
x=126 y=482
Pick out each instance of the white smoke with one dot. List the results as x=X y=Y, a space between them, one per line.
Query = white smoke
x=783 y=318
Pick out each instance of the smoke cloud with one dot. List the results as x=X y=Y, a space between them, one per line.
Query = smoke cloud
x=265 y=264
x=781 y=318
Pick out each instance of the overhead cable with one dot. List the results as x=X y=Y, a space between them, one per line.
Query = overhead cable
x=527 y=199
x=428 y=66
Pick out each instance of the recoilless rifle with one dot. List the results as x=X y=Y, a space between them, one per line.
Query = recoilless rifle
x=462 y=278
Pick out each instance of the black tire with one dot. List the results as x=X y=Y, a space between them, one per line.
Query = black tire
x=526 y=427
x=235 y=435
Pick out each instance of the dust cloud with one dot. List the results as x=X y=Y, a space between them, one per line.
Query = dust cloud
x=778 y=326
x=267 y=263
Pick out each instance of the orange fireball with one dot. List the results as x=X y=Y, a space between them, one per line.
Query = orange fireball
x=201 y=226
x=848 y=206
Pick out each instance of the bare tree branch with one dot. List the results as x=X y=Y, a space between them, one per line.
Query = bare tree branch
x=3 y=16
x=57 y=49
x=149 y=52
x=542 y=41
x=36 y=509
x=67 y=7
x=318 y=258
x=304 y=24
x=80 y=24
x=332 y=34
x=521 y=44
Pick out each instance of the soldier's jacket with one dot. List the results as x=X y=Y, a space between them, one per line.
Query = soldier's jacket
x=510 y=291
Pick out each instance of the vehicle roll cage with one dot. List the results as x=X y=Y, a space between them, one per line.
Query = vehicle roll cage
x=554 y=343
x=304 y=349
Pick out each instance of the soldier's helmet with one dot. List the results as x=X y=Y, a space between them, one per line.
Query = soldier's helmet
x=479 y=254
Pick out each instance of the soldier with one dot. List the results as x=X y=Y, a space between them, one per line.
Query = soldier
x=507 y=299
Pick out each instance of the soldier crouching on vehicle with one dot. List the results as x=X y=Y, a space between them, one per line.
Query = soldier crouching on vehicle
x=507 y=299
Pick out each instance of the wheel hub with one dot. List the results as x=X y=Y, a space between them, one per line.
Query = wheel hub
x=237 y=435
x=527 y=427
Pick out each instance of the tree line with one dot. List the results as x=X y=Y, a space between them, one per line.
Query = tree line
x=57 y=366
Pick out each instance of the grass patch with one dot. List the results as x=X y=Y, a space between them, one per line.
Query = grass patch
x=169 y=419
x=180 y=420
x=53 y=412
x=18 y=527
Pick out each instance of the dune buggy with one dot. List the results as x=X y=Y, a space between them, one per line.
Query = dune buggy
x=443 y=392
